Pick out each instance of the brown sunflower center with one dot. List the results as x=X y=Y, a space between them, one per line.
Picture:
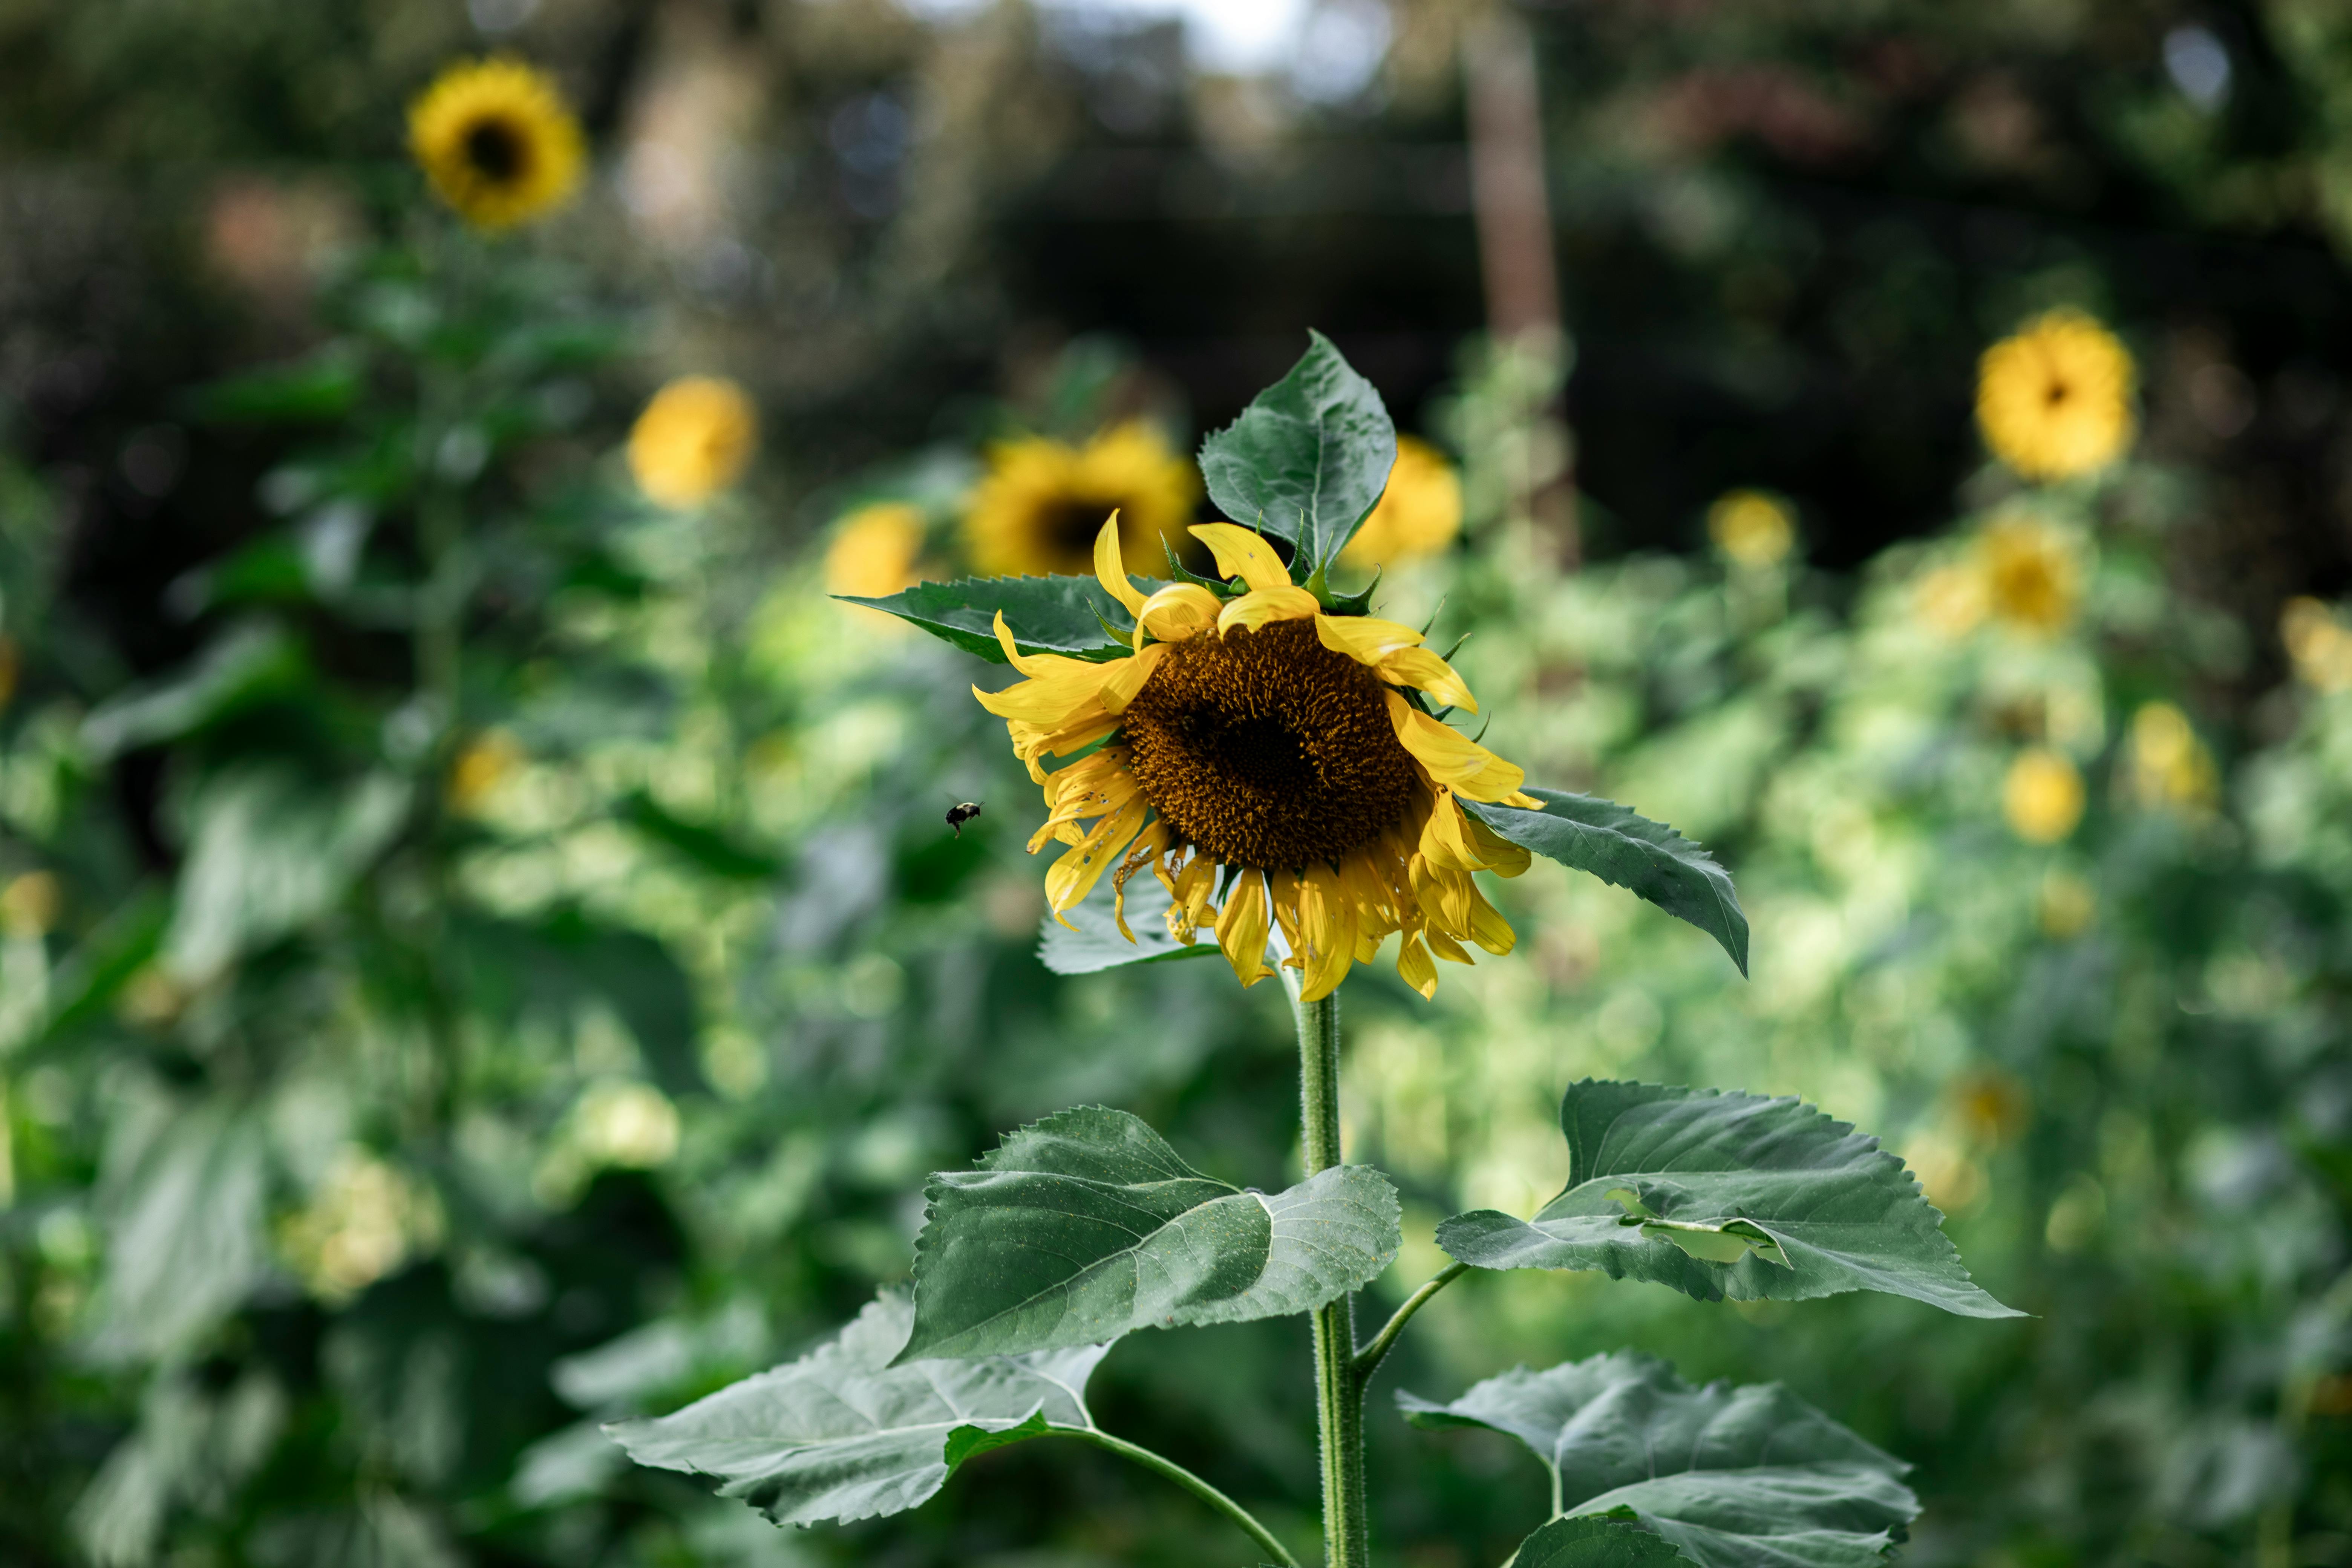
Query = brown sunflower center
x=496 y=150
x=1266 y=749
x=2057 y=393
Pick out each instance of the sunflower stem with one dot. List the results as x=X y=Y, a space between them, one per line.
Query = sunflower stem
x=1340 y=1394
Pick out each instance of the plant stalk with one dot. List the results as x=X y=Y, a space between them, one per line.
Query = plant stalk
x=1169 y=1468
x=1340 y=1393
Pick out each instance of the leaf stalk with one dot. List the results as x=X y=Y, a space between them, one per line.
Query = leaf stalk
x=1161 y=1465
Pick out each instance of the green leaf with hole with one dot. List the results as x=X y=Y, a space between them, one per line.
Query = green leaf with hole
x=1727 y=1195
x=1725 y=1477
x=1068 y=615
x=1086 y=1226
x=1306 y=461
x=843 y=1433
x=1630 y=851
x=1091 y=941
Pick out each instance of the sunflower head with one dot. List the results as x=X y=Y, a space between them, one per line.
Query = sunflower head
x=2054 y=401
x=874 y=550
x=1041 y=503
x=694 y=439
x=1273 y=761
x=2043 y=796
x=2032 y=577
x=497 y=140
x=1419 y=512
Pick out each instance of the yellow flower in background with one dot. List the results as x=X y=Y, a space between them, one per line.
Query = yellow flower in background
x=694 y=439
x=1038 y=509
x=2042 y=796
x=1951 y=599
x=497 y=140
x=487 y=760
x=874 y=550
x=2032 y=576
x=1752 y=528
x=620 y=1121
x=365 y=1220
x=2318 y=644
x=29 y=904
x=1419 y=512
x=2054 y=401
x=2169 y=765
x=1261 y=747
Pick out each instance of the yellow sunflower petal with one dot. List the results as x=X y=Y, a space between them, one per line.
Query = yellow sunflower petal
x=1446 y=948
x=1128 y=676
x=1416 y=967
x=1326 y=935
x=1489 y=929
x=1178 y=611
x=1260 y=606
x=1241 y=929
x=1502 y=856
x=1453 y=758
x=1111 y=572
x=1419 y=667
x=1069 y=880
x=1366 y=638
x=1244 y=554
x=1149 y=847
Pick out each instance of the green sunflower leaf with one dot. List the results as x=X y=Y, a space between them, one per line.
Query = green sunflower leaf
x=1095 y=943
x=1086 y=1226
x=1721 y=1194
x=1306 y=461
x=1627 y=851
x=1728 y=1478
x=1068 y=615
x=841 y=1434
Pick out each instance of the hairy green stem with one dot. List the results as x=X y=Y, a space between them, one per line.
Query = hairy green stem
x=1162 y=1465
x=1369 y=1359
x=1339 y=1395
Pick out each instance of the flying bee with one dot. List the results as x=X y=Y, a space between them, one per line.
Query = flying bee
x=960 y=814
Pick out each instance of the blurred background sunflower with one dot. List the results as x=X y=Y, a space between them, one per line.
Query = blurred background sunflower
x=1040 y=502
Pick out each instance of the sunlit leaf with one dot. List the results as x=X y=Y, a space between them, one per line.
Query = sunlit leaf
x=1307 y=459
x=843 y=1433
x=1086 y=1226
x=1731 y=1194
x=273 y=850
x=1728 y=1478
x=1629 y=851
x=1070 y=615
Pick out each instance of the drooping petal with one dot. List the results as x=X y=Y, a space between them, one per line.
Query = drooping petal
x=1367 y=639
x=1489 y=929
x=1502 y=856
x=1446 y=948
x=1243 y=554
x=1416 y=967
x=1149 y=847
x=1069 y=880
x=1242 y=928
x=1111 y=572
x=1418 y=667
x=1453 y=758
x=1260 y=606
x=1326 y=935
x=1178 y=611
x=1038 y=666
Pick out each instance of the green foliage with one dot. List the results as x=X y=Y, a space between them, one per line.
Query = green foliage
x=1731 y=1477
x=1629 y=851
x=1086 y=1226
x=1074 y=617
x=1720 y=1195
x=850 y=1432
x=1307 y=461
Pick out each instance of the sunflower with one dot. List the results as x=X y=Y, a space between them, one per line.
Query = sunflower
x=876 y=550
x=2042 y=795
x=1276 y=766
x=1041 y=503
x=2033 y=578
x=497 y=140
x=694 y=439
x=1419 y=512
x=2054 y=401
